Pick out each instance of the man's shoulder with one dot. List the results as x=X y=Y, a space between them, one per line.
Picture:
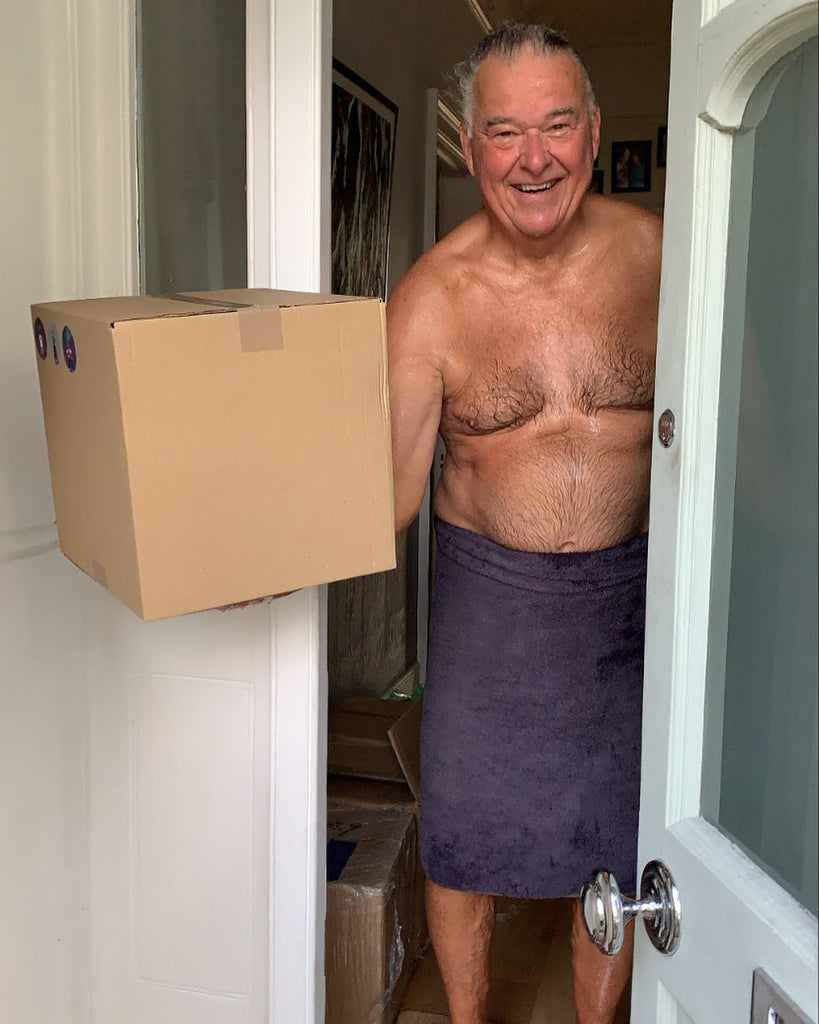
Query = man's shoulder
x=422 y=310
x=631 y=233
x=627 y=220
x=438 y=276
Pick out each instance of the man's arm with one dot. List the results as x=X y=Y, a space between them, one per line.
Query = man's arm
x=414 y=331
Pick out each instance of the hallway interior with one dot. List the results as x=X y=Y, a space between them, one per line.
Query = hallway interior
x=530 y=973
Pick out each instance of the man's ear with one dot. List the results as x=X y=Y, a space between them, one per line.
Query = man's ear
x=466 y=146
x=596 y=131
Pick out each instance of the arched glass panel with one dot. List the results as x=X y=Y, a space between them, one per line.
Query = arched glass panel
x=760 y=779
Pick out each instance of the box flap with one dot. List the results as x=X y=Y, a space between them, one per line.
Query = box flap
x=122 y=308
x=346 y=791
x=405 y=738
x=373 y=738
x=272 y=297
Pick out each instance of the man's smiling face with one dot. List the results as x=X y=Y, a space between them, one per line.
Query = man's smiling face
x=534 y=140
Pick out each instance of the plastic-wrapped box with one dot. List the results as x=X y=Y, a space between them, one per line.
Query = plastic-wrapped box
x=373 y=927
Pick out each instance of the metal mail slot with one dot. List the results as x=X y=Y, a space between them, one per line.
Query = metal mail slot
x=770 y=1006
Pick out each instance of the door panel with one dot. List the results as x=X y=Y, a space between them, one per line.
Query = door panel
x=729 y=714
x=179 y=741
x=759 y=774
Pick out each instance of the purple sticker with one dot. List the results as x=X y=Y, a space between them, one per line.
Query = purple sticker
x=40 y=339
x=69 y=349
x=54 y=335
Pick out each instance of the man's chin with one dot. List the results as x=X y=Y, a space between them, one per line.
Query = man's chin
x=541 y=229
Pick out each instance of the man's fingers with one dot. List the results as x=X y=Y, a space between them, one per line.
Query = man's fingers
x=255 y=600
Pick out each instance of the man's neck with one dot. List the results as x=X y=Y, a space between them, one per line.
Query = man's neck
x=536 y=254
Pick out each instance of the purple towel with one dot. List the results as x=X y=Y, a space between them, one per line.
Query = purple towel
x=532 y=717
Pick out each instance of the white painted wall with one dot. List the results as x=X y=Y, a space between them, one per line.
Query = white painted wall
x=44 y=956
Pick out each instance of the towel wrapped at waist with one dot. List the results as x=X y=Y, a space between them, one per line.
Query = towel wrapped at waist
x=532 y=716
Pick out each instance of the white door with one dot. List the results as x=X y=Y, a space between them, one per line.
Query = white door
x=730 y=740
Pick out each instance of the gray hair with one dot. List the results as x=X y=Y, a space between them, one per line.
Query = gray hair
x=506 y=42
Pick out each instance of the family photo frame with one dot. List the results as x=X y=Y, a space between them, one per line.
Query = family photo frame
x=631 y=166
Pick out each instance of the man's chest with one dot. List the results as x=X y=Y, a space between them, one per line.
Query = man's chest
x=549 y=365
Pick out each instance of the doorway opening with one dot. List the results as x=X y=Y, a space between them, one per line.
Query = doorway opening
x=377 y=627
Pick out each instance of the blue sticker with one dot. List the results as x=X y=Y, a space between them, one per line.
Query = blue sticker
x=69 y=349
x=339 y=852
x=40 y=339
x=54 y=335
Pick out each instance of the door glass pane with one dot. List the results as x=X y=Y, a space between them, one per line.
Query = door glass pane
x=761 y=760
x=192 y=162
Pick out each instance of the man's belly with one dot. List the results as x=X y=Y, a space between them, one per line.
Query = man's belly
x=585 y=500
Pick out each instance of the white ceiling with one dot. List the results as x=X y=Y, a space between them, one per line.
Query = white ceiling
x=588 y=22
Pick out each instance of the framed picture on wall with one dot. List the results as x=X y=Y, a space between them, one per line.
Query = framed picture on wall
x=597 y=181
x=363 y=154
x=631 y=166
x=662 y=144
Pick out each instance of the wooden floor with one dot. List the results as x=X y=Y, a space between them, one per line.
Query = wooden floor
x=530 y=976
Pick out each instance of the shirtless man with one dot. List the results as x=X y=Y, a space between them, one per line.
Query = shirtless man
x=526 y=337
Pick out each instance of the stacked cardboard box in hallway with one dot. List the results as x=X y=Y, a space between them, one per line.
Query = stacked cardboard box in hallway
x=375 y=912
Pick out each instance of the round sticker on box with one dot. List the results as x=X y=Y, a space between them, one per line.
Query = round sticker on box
x=40 y=339
x=54 y=336
x=69 y=349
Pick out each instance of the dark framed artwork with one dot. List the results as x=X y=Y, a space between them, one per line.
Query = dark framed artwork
x=631 y=166
x=662 y=144
x=597 y=181
x=363 y=153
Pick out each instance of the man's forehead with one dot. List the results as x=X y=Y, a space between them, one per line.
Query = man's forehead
x=498 y=74
x=548 y=115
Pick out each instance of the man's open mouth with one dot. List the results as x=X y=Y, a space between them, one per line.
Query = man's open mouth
x=544 y=187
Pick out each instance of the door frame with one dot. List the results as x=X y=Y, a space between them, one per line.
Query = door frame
x=289 y=49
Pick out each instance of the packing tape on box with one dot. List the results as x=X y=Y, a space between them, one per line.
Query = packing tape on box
x=260 y=327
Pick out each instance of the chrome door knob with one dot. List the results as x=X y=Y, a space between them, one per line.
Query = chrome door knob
x=606 y=912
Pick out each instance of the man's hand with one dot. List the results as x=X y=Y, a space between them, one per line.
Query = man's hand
x=255 y=600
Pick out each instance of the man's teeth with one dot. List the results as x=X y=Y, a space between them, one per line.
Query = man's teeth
x=535 y=188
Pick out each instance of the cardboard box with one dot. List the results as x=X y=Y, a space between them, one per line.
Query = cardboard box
x=372 y=738
x=217 y=447
x=373 y=932
x=345 y=791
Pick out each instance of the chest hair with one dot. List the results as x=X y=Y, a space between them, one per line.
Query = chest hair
x=552 y=371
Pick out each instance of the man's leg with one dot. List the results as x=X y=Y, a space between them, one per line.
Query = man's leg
x=599 y=980
x=460 y=924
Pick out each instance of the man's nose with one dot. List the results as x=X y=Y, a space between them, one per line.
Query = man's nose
x=535 y=153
